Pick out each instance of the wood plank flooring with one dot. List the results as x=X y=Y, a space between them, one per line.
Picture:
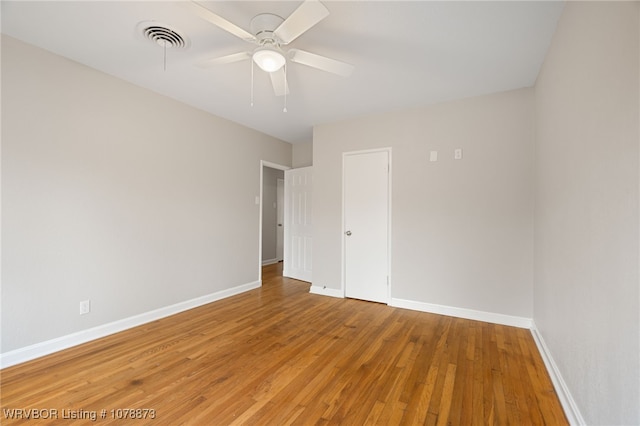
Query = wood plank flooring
x=279 y=355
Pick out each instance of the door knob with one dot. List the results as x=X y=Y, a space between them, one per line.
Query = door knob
x=348 y=233
x=279 y=224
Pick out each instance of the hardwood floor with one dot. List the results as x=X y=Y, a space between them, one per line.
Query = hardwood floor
x=279 y=355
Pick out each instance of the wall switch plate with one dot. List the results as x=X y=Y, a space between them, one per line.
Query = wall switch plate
x=85 y=307
x=433 y=156
x=457 y=154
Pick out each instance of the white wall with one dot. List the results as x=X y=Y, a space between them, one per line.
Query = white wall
x=269 y=212
x=116 y=194
x=586 y=293
x=302 y=155
x=462 y=231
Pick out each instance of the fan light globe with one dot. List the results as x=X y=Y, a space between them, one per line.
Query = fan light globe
x=268 y=59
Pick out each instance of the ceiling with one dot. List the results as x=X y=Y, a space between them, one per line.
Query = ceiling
x=406 y=54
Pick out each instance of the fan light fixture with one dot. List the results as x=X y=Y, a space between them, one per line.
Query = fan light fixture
x=268 y=59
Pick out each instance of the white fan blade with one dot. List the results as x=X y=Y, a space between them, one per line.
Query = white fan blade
x=279 y=82
x=219 y=21
x=304 y=17
x=228 y=59
x=320 y=62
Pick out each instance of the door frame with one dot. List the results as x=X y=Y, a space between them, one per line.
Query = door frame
x=270 y=165
x=389 y=219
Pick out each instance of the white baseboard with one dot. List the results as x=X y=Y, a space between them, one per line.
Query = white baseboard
x=316 y=289
x=37 y=350
x=269 y=262
x=566 y=400
x=452 y=311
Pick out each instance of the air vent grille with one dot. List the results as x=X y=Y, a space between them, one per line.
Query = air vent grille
x=165 y=37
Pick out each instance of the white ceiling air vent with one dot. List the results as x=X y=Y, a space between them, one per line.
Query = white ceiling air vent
x=163 y=36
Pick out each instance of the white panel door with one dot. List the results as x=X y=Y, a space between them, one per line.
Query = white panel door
x=280 y=220
x=366 y=225
x=298 y=229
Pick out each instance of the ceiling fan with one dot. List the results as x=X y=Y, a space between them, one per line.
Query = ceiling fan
x=270 y=33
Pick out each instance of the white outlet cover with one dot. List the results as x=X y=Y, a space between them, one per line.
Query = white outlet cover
x=433 y=156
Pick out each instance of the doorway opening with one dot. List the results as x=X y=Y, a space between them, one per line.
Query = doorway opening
x=271 y=227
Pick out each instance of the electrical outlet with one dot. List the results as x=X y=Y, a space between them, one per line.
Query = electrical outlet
x=457 y=154
x=85 y=307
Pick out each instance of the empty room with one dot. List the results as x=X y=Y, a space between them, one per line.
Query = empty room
x=320 y=212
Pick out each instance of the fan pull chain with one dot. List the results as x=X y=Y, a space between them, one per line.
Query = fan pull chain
x=164 y=44
x=251 y=82
x=285 y=88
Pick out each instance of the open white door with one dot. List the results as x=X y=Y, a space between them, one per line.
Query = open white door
x=298 y=229
x=366 y=221
x=280 y=220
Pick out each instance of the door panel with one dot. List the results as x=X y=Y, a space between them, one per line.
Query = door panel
x=280 y=220
x=366 y=220
x=298 y=229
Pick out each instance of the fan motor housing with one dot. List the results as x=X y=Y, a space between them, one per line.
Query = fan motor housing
x=263 y=26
